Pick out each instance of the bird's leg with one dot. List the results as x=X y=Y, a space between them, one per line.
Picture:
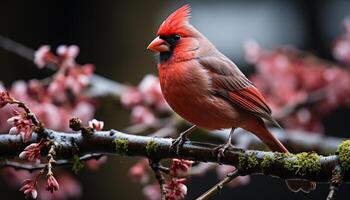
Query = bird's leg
x=222 y=148
x=178 y=142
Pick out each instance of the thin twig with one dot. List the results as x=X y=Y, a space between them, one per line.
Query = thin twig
x=38 y=166
x=30 y=114
x=216 y=188
x=337 y=179
x=156 y=167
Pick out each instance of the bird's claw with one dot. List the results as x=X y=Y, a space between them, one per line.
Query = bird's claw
x=178 y=143
x=221 y=149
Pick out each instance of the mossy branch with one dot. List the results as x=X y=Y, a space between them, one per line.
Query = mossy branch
x=310 y=166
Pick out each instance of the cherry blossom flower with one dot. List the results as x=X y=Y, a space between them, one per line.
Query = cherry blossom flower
x=41 y=56
x=131 y=97
x=288 y=77
x=29 y=188
x=69 y=188
x=52 y=184
x=176 y=189
x=68 y=52
x=150 y=90
x=97 y=125
x=138 y=172
x=23 y=125
x=180 y=166
x=341 y=47
x=151 y=192
x=4 y=98
x=143 y=115
x=32 y=151
x=94 y=164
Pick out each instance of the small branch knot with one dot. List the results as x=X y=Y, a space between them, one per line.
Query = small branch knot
x=75 y=124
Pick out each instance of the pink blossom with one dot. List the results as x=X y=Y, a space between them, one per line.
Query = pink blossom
x=70 y=52
x=29 y=188
x=151 y=92
x=24 y=126
x=97 y=125
x=41 y=56
x=142 y=115
x=69 y=188
x=4 y=98
x=32 y=151
x=131 y=97
x=52 y=184
x=152 y=192
x=180 y=166
x=252 y=51
x=83 y=110
x=138 y=172
x=287 y=77
x=176 y=189
x=94 y=164
x=49 y=114
x=341 y=50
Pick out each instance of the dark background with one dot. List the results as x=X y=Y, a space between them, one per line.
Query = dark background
x=114 y=35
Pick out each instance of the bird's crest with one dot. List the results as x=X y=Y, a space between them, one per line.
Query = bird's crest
x=174 y=23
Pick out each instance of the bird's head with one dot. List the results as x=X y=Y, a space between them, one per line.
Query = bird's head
x=176 y=38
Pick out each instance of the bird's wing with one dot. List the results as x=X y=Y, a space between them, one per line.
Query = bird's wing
x=229 y=82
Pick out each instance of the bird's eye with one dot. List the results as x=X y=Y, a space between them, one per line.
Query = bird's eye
x=176 y=37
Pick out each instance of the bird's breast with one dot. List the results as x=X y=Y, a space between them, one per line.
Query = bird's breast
x=187 y=88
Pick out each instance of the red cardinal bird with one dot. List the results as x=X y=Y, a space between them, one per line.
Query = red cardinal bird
x=208 y=89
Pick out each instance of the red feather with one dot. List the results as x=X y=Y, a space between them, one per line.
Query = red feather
x=175 y=22
x=250 y=99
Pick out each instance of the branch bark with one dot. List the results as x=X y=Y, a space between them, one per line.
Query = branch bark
x=117 y=143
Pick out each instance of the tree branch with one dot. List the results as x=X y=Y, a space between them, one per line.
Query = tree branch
x=247 y=161
x=38 y=166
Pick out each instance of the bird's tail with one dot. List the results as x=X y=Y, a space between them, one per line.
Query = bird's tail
x=275 y=145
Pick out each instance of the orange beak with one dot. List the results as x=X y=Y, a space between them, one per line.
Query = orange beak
x=158 y=45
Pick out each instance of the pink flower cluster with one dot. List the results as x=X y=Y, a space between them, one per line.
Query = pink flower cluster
x=341 y=47
x=146 y=101
x=21 y=125
x=58 y=98
x=54 y=101
x=52 y=184
x=288 y=78
x=32 y=151
x=96 y=125
x=29 y=188
x=175 y=186
x=4 y=98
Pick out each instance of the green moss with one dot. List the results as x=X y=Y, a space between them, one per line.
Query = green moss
x=288 y=164
x=247 y=162
x=267 y=162
x=121 y=146
x=287 y=161
x=77 y=164
x=152 y=147
x=301 y=163
x=307 y=163
x=344 y=154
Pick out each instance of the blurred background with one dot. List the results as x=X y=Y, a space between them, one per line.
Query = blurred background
x=114 y=35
